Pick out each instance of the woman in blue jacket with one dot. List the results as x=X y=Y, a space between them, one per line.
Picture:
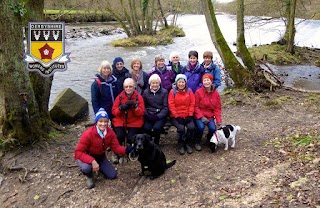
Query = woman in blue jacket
x=193 y=71
x=120 y=72
x=211 y=68
x=103 y=89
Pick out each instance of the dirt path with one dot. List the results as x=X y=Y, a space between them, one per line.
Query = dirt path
x=262 y=171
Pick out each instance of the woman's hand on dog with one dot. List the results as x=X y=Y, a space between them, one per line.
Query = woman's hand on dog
x=95 y=166
x=129 y=149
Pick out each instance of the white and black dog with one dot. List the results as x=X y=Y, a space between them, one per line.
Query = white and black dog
x=223 y=135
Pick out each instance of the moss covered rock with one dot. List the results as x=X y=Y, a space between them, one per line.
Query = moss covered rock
x=68 y=107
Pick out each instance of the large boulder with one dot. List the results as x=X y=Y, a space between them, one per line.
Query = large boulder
x=68 y=107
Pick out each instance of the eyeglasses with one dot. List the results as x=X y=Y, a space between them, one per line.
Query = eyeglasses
x=128 y=86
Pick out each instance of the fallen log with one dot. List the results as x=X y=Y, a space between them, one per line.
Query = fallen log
x=301 y=90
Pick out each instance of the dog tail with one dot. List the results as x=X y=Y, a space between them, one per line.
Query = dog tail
x=238 y=128
x=170 y=164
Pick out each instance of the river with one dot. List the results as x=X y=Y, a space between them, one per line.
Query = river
x=86 y=54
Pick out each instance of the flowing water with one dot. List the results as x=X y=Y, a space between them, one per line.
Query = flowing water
x=86 y=54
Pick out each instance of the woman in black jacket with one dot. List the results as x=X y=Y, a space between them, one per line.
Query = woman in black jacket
x=156 y=108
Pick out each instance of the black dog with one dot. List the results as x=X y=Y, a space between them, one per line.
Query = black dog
x=151 y=158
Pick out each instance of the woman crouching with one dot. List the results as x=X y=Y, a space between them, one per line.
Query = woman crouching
x=90 y=151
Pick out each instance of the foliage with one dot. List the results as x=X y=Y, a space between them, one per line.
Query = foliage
x=54 y=134
x=18 y=8
x=306 y=9
x=77 y=15
x=300 y=147
x=163 y=37
x=172 y=31
x=7 y=143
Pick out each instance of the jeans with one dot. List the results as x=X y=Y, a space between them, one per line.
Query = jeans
x=200 y=127
x=105 y=167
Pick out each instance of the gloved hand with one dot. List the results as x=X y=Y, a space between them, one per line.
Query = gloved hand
x=205 y=120
x=153 y=117
x=188 y=119
x=130 y=103
x=129 y=149
x=123 y=107
x=180 y=120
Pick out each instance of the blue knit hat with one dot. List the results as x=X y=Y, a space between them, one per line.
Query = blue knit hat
x=101 y=114
x=116 y=60
x=180 y=76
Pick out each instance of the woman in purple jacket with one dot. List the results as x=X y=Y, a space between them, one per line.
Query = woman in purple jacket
x=165 y=73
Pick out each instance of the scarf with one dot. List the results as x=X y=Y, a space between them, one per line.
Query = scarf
x=139 y=81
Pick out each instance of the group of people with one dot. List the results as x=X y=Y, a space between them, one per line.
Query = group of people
x=140 y=102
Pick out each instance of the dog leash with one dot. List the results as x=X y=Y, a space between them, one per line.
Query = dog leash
x=133 y=158
x=215 y=133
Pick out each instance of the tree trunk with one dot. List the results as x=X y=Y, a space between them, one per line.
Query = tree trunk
x=242 y=49
x=41 y=85
x=284 y=39
x=20 y=121
x=162 y=14
x=235 y=69
x=291 y=32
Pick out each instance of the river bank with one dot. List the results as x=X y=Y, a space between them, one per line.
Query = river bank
x=275 y=163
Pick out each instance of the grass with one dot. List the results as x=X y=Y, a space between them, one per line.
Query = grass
x=163 y=37
x=295 y=141
x=56 y=11
x=54 y=135
x=276 y=103
x=276 y=54
x=313 y=100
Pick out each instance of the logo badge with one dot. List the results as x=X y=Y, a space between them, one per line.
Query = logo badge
x=46 y=53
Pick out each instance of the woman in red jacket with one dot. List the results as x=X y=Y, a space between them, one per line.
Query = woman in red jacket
x=181 y=103
x=207 y=109
x=90 y=151
x=128 y=111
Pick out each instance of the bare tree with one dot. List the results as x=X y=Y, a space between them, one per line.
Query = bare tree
x=136 y=17
x=235 y=69
x=242 y=49
x=291 y=27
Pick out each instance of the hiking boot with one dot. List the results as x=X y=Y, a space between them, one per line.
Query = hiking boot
x=181 y=148
x=90 y=182
x=198 y=146
x=189 y=149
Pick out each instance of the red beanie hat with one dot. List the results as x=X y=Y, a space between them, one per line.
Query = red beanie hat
x=209 y=76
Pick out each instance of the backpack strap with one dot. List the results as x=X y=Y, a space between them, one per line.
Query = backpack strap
x=175 y=91
x=99 y=83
